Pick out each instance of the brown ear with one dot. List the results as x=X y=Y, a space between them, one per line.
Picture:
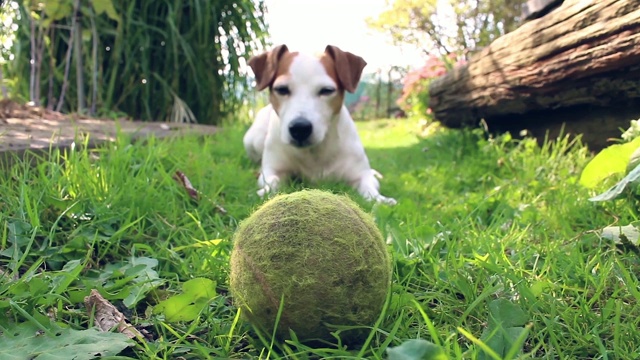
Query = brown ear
x=264 y=66
x=348 y=67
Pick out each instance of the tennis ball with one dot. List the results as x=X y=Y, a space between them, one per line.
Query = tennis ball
x=322 y=256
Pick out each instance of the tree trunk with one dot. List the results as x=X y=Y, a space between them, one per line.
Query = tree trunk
x=584 y=52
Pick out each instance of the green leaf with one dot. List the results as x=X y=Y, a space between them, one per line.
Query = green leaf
x=106 y=6
x=504 y=312
x=610 y=161
x=416 y=349
x=19 y=235
x=197 y=293
x=58 y=9
x=616 y=190
x=502 y=340
x=146 y=279
x=27 y=342
x=129 y=281
x=506 y=321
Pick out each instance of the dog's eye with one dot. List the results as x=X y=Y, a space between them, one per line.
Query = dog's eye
x=282 y=90
x=325 y=91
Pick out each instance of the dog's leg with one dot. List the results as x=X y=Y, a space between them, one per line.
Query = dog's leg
x=254 y=138
x=368 y=187
x=268 y=182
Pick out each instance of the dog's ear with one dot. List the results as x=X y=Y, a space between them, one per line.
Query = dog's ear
x=265 y=65
x=348 y=67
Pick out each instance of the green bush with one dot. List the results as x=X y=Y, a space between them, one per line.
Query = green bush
x=151 y=59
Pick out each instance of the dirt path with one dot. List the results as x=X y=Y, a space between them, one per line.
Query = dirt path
x=24 y=128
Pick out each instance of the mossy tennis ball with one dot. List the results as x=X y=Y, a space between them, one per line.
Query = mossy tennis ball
x=322 y=255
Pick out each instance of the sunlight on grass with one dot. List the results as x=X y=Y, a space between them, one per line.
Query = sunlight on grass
x=494 y=253
x=389 y=133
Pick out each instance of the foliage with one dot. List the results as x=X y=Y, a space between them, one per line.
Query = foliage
x=416 y=349
x=505 y=334
x=629 y=182
x=615 y=160
x=153 y=60
x=415 y=91
x=481 y=221
x=611 y=161
x=197 y=294
x=28 y=341
x=632 y=132
x=446 y=27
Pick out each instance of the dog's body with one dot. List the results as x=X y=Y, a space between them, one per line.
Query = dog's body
x=307 y=131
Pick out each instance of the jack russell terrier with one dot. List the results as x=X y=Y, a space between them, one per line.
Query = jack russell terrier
x=306 y=130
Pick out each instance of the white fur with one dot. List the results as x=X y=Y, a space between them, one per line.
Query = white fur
x=335 y=151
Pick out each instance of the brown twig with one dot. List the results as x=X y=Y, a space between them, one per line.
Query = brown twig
x=183 y=180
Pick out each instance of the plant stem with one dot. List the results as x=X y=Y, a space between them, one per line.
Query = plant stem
x=32 y=61
x=67 y=65
x=3 y=88
x=94 y=64
x=77 y=50
x=52 y=69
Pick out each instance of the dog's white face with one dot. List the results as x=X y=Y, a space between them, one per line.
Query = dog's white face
x=306 y=91
x=305 y=98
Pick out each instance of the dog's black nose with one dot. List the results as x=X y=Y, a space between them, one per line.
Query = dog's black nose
x=300 y=129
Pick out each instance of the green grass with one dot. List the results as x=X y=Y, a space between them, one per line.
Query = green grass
x=484 y=228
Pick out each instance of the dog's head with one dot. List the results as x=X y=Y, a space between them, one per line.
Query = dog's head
x=307 y=92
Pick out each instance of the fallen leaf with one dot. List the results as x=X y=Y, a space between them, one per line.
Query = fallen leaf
x=616 y=233
x=108 y=316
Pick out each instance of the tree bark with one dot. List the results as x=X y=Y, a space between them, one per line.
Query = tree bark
x=584 y=52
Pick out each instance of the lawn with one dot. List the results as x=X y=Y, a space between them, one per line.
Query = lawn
x=487 y=231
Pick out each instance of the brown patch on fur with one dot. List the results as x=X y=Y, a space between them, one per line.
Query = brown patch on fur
x=348 y=67
x=330 y=67
x=282 y=71
x=265 y=66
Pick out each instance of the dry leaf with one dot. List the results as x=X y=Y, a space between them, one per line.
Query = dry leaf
x=107 y=316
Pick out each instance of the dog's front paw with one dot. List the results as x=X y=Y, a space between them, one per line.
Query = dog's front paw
x=381 y=199
x=386 y=200
x=265 y=191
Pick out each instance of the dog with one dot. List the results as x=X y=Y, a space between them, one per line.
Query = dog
x=306 y=131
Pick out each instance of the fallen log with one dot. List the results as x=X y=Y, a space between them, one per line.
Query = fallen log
x=585 y=52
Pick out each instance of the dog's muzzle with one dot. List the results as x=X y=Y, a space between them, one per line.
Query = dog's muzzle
x=300 y=130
